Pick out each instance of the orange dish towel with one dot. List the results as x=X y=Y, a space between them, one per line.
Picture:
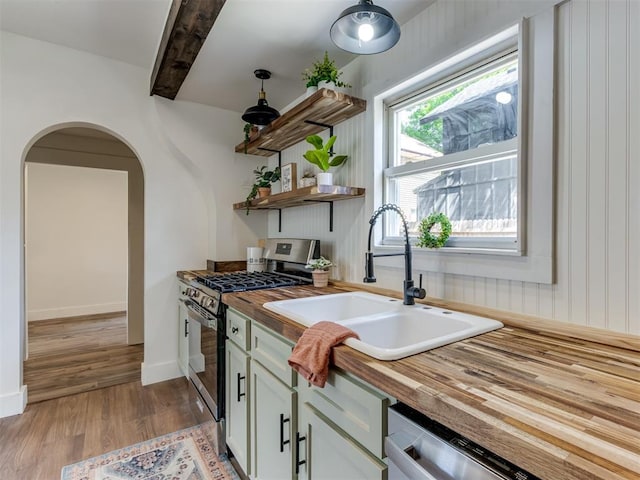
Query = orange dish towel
x=310 y=356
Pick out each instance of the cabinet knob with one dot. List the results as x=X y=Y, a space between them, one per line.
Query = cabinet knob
x=234 y=329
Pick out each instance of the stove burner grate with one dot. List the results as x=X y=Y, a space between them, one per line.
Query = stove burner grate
x=242 y=281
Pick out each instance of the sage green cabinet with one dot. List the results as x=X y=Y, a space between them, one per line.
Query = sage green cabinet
x=341 y=428
x=355 y=407
x=329 y=453
x=237 y=426
x=273 y=423
x=274 y=404
x=283 y=428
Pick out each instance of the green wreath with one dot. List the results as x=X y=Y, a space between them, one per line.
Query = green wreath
x=425 y=239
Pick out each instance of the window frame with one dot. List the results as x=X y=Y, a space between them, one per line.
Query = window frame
x=479 y=64
x=534 y=260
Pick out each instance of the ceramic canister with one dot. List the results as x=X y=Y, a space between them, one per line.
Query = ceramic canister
x=255 y=261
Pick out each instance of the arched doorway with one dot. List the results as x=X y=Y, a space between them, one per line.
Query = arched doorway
x=97 y=274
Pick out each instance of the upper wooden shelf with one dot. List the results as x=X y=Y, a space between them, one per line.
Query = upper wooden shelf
x=326 y=107
x=302 y=196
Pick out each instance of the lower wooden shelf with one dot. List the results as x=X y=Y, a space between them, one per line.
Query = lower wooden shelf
x=302 y=196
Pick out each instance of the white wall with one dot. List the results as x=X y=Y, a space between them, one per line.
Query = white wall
x=76 y=241
x=598 y=225
x=44 y=87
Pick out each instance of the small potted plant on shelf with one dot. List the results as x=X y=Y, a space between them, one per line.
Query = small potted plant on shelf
x=320 y=271
x=308 y=179
x=262 y=186
x=250 y=133
x=321 y=74
x=324 y=158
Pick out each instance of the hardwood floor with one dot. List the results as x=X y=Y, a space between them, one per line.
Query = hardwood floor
x=68 y=356
x=54 y=433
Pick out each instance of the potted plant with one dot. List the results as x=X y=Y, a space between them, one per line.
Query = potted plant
x=323 y=72
x=262 y=186
x=324 y=158
x=308 y=179
x=250 y=132
x=319 y=271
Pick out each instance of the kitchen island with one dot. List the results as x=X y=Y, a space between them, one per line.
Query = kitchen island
x=560 y=406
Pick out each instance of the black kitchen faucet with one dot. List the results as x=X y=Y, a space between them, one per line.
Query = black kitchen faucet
x=409 y=290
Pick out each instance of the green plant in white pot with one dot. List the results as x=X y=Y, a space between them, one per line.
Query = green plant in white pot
x=320 y=271
x=323 y=73
x=323 y=158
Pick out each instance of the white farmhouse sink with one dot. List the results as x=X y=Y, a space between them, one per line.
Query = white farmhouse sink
x=388 y=329
x=333 y=308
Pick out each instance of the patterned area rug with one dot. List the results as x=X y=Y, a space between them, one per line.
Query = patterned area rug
x=188 y=454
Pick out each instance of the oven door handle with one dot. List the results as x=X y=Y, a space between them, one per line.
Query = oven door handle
x=397 y=447
x=197 y=316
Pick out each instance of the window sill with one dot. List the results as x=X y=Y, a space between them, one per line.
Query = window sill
x=488 y=248
x=474 y=262
x=469 y=251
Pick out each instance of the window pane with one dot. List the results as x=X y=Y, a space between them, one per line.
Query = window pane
x=479 y=199
x=467 y=114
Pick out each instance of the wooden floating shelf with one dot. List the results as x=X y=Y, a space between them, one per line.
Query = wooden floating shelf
x=302 y=196
x=325 y=107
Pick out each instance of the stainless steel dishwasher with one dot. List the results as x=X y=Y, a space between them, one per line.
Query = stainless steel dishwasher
x=418 y=448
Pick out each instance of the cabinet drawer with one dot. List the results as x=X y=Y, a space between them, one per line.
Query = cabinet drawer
x=355 y=407
x=272 y=351
x=238 y=329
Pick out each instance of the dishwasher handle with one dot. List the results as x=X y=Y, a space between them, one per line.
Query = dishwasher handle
x=396 y=446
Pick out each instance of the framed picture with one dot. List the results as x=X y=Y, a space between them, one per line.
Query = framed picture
x=289 y=177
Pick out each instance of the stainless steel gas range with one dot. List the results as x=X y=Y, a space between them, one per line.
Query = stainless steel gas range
x=206 y=322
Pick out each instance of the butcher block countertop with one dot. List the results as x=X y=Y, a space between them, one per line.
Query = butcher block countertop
x=560 y=406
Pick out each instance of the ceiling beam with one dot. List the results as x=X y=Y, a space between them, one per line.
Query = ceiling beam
x=187 y=27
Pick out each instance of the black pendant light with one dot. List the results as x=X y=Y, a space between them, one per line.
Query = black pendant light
x=262 y=113
x=365 y=29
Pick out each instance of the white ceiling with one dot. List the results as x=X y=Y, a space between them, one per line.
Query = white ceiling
x=283 y=36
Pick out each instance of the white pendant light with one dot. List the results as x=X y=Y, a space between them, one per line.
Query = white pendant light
x=365 y=29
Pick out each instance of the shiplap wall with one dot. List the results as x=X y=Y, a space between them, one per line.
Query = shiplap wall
x=597 y=171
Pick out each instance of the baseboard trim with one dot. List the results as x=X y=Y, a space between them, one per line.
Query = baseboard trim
x=13 y=403
x=75 y=311
x=159 y=372
x=81 y=318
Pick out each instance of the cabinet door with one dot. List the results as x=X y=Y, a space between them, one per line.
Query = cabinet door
x=327 y=452
x=237 y=400
x=273 y=423
x=183 y=339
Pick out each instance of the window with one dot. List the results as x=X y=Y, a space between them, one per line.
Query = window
x=493 y=173
x=453 y=148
